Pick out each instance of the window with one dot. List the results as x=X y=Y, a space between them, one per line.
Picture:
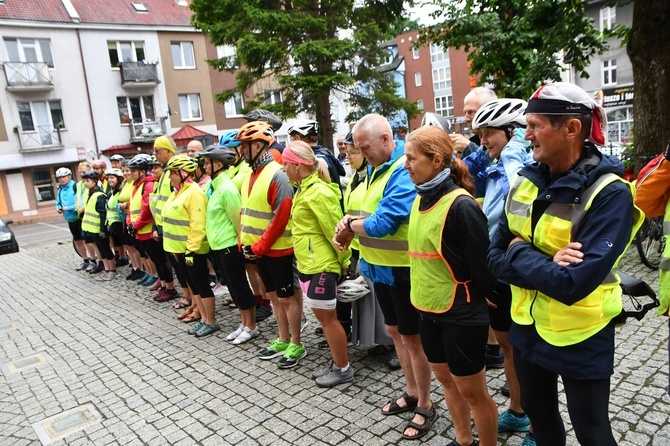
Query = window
x=139 y=7
x=182 y=55
x=189 y=107
x=415 y=53
x=417 y=79
x=607 y=17
x=419 y=104
x=609 y=72
x=43 y=184
x=272 y=97
x=234 y=106
x=441 y=78
x=125 y=52
x=29 y=50
x=136 y=109
x=41 y=116
x=437 y=53
x=444 y=105
x=619 y=126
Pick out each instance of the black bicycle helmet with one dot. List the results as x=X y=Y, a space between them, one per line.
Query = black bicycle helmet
x=141 y=162
x=217 y=152
x=91 y=174
x=266 y=116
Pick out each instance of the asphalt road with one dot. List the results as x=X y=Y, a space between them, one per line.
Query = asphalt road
x=40 y=235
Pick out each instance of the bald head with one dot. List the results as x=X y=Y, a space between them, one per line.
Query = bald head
x=374 y=137
x=474 y=100
x=194 y=147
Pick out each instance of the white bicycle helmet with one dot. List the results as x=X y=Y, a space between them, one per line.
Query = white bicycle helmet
x=63 y=172
x=352 y=289
x=305 y=127
x=435 y=120
x=116 y=158
x=501 y=114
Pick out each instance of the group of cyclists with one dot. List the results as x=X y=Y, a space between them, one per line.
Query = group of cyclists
x=452 y=243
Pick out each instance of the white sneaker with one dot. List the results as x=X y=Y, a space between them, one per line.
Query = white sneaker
x=231 y=337
x=220 y=290
x=102 y=276
x=246 y=336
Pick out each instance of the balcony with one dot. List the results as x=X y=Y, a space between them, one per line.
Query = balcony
x=139 y=74
x=39 y=138
x=147 y=131
x=27 y=76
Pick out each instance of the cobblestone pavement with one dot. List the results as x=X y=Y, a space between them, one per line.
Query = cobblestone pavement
x=114 y=348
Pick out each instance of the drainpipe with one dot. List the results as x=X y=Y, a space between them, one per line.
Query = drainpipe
x=88 y=95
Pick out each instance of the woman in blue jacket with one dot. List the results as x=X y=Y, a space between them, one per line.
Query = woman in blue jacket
x=66 y=206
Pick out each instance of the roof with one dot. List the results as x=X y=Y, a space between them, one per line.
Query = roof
x=102 y=12
x=122 y=12
x=127 y=148
x=187 y=133
x=35 y=10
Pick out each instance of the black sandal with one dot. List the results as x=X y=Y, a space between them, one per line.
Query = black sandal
x=395 y=408
x=423 y=428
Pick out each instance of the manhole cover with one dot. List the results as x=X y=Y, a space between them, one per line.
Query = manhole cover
x=25 y=363
x=66 y=423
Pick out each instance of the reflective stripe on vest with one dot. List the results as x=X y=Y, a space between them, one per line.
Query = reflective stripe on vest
x=557 y=323
x=82 y=193
x=159 y=196
x=353 y=202
x=91 y=221
x=257 y=213
x=136 y=208
x=433 y=285
x=112 y=213
x=390 y=250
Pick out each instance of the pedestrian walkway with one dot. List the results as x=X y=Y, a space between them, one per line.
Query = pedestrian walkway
x=68 y=341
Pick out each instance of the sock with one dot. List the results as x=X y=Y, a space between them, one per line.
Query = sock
x=345 y=368
x=262 y=302
x=494 y=349
x=114 y=270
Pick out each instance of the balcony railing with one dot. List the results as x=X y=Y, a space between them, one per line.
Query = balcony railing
x=27 y=76
x=135 y=74
x=38 y=138
x=146 y=131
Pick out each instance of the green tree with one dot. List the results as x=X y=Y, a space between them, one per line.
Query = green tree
x=310 y=48
x=515 y=44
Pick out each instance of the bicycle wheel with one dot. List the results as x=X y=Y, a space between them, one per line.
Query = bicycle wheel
x=650 y=242
x=76 y=249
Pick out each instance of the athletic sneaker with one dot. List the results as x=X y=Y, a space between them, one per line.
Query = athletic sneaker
x=84 y=266
x=335 y=376
x=193 y=330
x=109 y=275
x=263 y=313
x=98 y=268
x=246 y=336
x=394 y=362
x=493 y=361
x=231 y=337
x=504 y=389
x=292 y=356
x=167 y=295
x=122 y=261
x=156 y=285
x=220 y=290
x=511 y=423
x=102 y=276
x=529 y=440
x=207 y=329
x=135 y=274
x=276 y=348
x=144 y=278
x=322 y=371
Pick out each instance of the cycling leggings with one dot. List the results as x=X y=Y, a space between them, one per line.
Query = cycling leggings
x=156 y=253
x=588 y=402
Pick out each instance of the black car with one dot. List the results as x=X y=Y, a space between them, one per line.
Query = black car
x=8 y=241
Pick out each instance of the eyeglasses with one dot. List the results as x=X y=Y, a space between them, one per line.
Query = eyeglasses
x=352 y=153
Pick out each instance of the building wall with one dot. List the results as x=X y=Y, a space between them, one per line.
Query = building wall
x=186 y=81
x=419 y=65
x=19 y=191
x=461 y=81
x=104 y=82
x=220 y=81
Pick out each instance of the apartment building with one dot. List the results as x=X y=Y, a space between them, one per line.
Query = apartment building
x=611 y=73
x=85 y=79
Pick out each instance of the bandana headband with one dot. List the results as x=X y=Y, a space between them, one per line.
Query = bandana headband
x=289 y=157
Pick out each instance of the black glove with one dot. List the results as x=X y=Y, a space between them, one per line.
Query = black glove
x=667 y=152
x=248 y=252
x=131 y=230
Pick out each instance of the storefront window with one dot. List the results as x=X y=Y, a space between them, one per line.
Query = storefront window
x=43 y=184
x=619 y=125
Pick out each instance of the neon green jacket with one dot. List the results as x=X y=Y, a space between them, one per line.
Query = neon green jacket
x=315 y=213
x=223 y=212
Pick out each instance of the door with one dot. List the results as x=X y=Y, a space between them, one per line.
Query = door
x=42 y=123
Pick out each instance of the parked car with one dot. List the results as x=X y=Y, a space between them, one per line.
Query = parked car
x=8 y=241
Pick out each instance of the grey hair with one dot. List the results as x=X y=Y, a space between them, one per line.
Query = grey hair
x=484 y=94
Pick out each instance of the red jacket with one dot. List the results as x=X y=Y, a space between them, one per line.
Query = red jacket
x=145 y=218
